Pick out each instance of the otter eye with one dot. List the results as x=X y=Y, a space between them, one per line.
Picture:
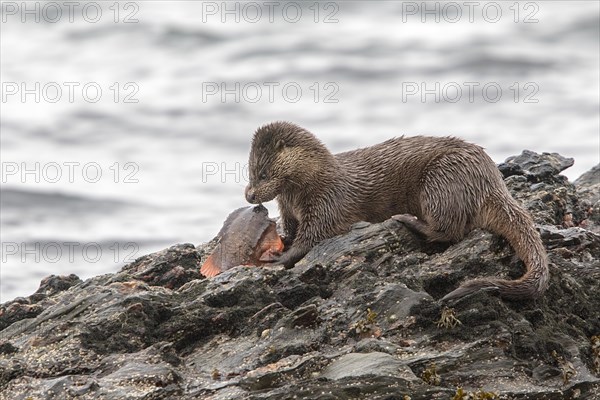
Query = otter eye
x=263 y=176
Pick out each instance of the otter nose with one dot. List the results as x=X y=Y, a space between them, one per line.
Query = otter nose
x=250 y=196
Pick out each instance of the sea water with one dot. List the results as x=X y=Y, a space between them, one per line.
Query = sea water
x=125 y=127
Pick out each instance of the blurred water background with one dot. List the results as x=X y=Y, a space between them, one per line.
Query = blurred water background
x=123 y=130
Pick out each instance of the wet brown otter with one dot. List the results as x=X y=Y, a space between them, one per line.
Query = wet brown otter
x=441 y=187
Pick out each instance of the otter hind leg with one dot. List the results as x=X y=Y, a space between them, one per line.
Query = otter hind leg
x=422 y=228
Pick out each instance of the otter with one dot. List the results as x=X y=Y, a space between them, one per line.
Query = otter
x=439 y=187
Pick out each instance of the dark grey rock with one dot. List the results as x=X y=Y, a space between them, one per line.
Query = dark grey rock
x=588 y=190
x=536 y=167
x=590 y=178
x=356 y=318
x=354 y=365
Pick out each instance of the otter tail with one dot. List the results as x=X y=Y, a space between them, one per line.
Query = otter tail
x=503 y=215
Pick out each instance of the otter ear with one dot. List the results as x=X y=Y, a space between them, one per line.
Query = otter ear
x=280 y=145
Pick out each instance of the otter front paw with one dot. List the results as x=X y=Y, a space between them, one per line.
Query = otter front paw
x=290 y=257
x=413 y=223
x=284 y=260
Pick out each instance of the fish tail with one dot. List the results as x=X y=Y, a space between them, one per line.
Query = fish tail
x=209 y=268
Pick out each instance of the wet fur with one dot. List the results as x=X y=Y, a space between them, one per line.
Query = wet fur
x=450 y=186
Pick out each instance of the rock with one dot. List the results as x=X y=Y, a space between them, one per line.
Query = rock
x=22 y=308
x=590 y=179
x=381 y=345
x=588 y=190
x=358 y=317
x=575 y=236
x=355 y=365
x=170 y=268
x=536 y=167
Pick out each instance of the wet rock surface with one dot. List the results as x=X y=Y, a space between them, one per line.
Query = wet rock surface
x=357 y=318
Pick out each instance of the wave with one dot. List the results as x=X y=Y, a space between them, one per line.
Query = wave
x=22 y=199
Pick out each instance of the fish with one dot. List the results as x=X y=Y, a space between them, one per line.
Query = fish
x=248 y=237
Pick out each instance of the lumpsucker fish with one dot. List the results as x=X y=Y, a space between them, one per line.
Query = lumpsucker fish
x=248 y=237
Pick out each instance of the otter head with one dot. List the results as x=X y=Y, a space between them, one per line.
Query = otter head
x=280 y=158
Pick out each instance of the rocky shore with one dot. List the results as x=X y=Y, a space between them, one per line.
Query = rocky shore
x=357 y=318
